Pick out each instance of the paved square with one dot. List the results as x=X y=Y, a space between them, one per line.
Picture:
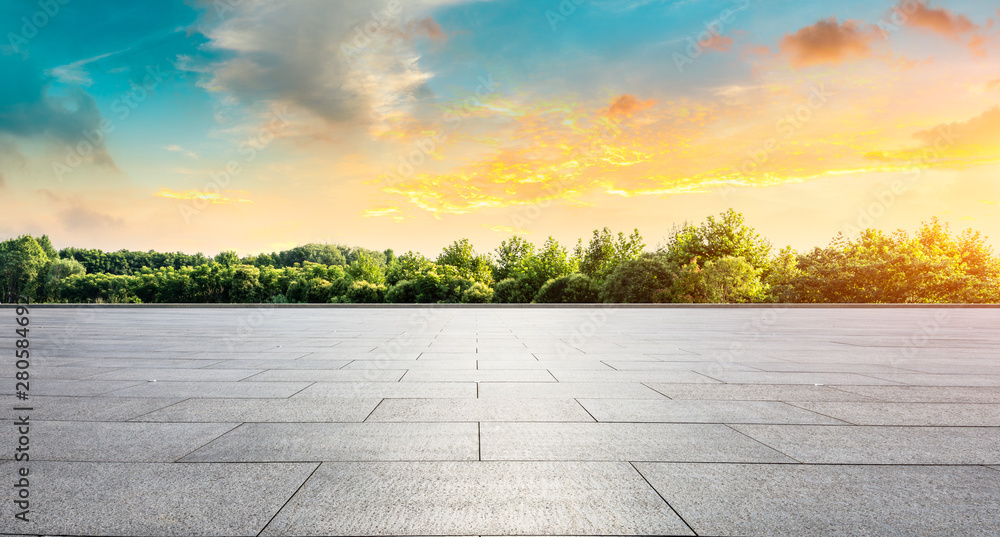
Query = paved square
x=218 y=421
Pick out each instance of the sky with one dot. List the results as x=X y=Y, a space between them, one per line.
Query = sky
x=259 y=125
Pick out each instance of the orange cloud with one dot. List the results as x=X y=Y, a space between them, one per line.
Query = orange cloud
x=827 y=41
x=213 y=198
x=722 y=43
x=952 y=146
x=627 y=105
x=427 y=27
x=940 y=21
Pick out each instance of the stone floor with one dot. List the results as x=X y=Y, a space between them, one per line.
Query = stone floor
x=507 y=421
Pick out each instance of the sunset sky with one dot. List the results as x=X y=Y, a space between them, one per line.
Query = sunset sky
x=257 y=125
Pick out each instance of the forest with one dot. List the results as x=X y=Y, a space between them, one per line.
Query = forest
x=720 y=260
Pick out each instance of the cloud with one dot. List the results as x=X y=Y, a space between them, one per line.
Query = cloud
x=78 y=217
x=828 y=42
x=213 y=198
x=955 y=145
x=721 y=43
x=332 y=59
x=993 y=84
x=939 y=21
x=30 y=108
x=626 y=106
x=174 y=148
x=3 y=181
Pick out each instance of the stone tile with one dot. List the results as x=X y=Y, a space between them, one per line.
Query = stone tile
x=337 y=375
x=921 y=414
x=39 y=371
x=398 y=390
x=756 y=392
x=631 y=376
x=576 y=364
x=824 y=367
x=177 y=374
x=229 y=390
x=119 y=442
x=765 y=377
x=294 y=410
x=691 y=411
x=465 y=375
x=411 y=364
x=707 y=365
x=483 y=498
x=301 y=363
x=56 y=408
x=279 y=442
x=454 y=410
x=118 y=363
x=566 y=390
x=928 y=394
x=621 y=442
x=927 y=379
x=808 y=500
x=142 y=499
x=831 y=444
x=80 y=388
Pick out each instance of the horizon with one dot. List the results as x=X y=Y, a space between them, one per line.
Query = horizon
x=203 y=126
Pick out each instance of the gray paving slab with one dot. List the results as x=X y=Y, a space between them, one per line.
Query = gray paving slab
x=758 y=392
x=56 y=408
x=39 y=371
x=923 y=414
x=294 y=410
x=566 y=390
x=767 y=377
x=928 y=379
x=621 y=442
x=142 y=499
x=478 y=375
x=695 y=411
x=80 y=388
x=411 y=364
x=824 y=367
x=587 y=365
x=296 y=442
x=119 y=442
x=482 y=498
x=235 y=390
x=110 y=364
x=927 y=394
x=832 y=444
x=176 y=374
x=301 y=363
x=570 y=375
x=811 y=500
x=323 y=375
x=455 y=410
x=399 y=390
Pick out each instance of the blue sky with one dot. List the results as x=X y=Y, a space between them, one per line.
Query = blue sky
x=172 y=93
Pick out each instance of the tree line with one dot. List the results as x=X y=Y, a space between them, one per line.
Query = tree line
x=720 y=260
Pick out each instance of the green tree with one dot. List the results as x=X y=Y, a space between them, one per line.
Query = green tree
x=551 y=261
x=728 y=236
x=569 y=289
x=367 y=268
x=22 y=262
x=509 y=255
x=605 y=252
x=461 y=255
x=362 y=292
x=513 y=291
x=647 y=279
x=244 y=285
x=59 y=270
